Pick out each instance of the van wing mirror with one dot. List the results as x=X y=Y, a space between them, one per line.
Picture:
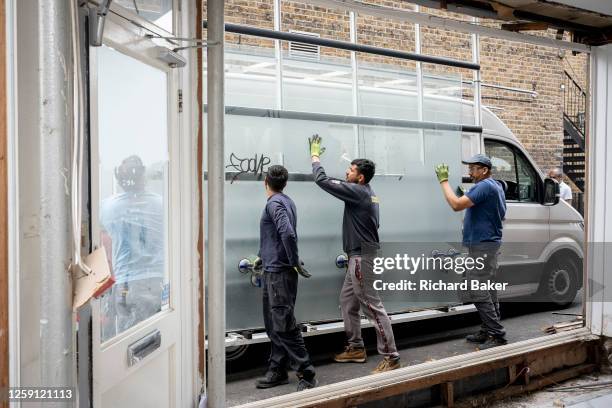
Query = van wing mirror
x=551 y=192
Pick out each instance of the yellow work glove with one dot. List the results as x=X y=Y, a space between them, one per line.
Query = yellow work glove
x=315 y=146
x=442 y=172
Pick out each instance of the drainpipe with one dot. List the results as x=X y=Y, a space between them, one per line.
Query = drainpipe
x=215 y=200
x=55 y=106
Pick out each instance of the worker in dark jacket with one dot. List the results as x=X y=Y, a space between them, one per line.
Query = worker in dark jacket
x=278 y=255
x=359 y=229
x=485 y=206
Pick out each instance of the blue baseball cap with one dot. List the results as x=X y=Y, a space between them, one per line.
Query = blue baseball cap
x=479 y=159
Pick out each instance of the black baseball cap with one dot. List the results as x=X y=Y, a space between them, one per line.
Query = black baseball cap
x=479 y=159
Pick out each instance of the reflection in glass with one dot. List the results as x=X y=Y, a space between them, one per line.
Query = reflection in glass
x=133 y=169
x=250 y=77
x=386 y=92
x=159 y=12
x=323 y=86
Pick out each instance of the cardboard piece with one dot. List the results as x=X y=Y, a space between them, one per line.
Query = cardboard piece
x=85 y=286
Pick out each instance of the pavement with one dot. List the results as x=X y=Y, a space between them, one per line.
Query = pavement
x=417 y=342
x=587 y=394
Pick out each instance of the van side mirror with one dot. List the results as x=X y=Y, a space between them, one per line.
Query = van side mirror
x=551 y=192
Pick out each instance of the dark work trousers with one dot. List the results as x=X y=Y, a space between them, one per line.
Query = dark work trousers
x=287 y=344
x=486 y=301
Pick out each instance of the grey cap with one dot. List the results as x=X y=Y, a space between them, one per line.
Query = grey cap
x=479 y=159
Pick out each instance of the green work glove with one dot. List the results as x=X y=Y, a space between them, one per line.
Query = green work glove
x=460 y=191
x=315 y=146
x=258 y=264
x=442 y=172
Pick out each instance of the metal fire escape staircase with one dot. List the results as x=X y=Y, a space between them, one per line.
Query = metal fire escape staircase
x=574 y=126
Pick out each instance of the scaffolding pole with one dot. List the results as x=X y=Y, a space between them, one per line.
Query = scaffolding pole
x=476 y=76
x=215 y=200
x=55 y=106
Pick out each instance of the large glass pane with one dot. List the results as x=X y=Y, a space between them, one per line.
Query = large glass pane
x=386 y=91
x=442 y=93
x=159 y=12
x=252 y=145
x=323 y=86
x=251 y=76
x=133 y=188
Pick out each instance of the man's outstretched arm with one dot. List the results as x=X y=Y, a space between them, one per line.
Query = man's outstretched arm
x=338 y=188
x=456 y=203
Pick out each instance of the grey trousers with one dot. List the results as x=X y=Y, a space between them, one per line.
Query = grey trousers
x=358 y=293
x=486 y=301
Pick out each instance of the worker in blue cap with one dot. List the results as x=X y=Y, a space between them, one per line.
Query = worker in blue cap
x=485 y=207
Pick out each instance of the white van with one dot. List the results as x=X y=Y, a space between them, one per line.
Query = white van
x=378 y=122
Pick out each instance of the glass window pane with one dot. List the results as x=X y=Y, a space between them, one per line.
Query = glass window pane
x=250 y=76
x=527 y=179
x=159 y=12
x=133 y=207
x=386 y=91
x=323 y=86
x=502 y=158
x=394 y=150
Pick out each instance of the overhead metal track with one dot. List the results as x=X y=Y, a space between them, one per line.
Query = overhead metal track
x=344 y=45
x=348 y=120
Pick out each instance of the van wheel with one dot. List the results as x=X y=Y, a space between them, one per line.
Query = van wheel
x=560 y=283
x=235 y=352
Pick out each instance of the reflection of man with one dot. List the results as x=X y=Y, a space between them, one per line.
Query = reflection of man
x=133 y=232
x=565 y=192
x=359 y=228
x=485 y=207
x=281 y=265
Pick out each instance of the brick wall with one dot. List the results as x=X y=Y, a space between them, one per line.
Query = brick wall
x=536 y=121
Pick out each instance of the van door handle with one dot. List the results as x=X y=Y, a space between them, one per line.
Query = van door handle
x=143 y=347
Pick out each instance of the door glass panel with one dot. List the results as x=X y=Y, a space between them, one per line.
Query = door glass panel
x=159 y=12
x=133 y=188
x=526 y=179
x=504 y=168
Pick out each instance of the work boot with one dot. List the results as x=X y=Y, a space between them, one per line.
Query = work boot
x=493 y=341
x=351 y=355
x=272 y=379
x=478 y=337
x=387 y=364
x=306 y=382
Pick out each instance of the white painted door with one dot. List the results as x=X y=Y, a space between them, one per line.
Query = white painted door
x=136 y=326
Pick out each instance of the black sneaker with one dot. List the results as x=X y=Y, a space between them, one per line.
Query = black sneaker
x=478 y=337
x=305 y=384
x=272 y=379
x=493 y=341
